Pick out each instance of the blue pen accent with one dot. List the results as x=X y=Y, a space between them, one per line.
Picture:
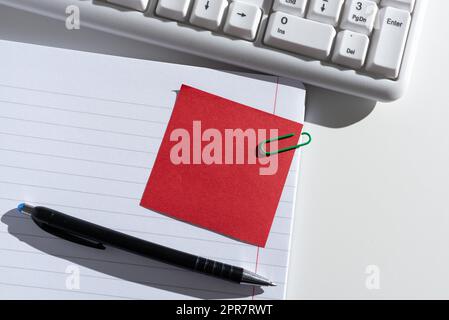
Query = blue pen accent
x=20 y=207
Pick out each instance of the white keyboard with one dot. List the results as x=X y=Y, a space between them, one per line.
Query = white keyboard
x=361 y=47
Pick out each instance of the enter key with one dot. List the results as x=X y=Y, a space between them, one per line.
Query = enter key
x=388 y=42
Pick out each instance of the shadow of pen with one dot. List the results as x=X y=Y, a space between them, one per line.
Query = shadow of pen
x=119 y=264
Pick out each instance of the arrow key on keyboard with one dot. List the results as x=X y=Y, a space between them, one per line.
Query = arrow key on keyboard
x=173 y=9
x=326 y=11
x=208 y=13
x=139 y=5
x=243 y=20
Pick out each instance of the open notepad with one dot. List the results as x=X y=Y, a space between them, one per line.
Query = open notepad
x=79 y=133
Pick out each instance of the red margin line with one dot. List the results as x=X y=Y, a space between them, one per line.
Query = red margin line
x=255 y=270
x=274 y=111
x=276 y=95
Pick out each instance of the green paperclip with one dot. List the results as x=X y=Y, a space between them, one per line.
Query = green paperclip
x=269 y=153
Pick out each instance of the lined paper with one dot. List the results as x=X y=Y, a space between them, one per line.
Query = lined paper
x=79 y=133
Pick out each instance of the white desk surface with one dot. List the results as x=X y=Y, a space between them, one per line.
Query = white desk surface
x=374 y=187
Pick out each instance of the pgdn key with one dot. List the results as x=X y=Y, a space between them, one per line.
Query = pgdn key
x=298 y=35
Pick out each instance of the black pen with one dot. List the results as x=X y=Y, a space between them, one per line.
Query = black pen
x=95 y=236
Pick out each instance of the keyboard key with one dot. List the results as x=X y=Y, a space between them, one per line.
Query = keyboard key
x=243 y=20
x=350 y=49
x=173 y=9
x=296 y=7
x=359 y=16
x=326 y=11
x=400 y=4
x=208 y=13
x=388 y=42
x=139 y=5
x=287 y=32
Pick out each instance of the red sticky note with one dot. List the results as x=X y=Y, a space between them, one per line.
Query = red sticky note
x=203 y=174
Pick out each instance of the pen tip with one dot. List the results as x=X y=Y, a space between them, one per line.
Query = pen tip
x=272 y=284
x=25 y=209
x=20 y=207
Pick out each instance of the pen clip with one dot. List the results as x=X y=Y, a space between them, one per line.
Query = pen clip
x=69 y=236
